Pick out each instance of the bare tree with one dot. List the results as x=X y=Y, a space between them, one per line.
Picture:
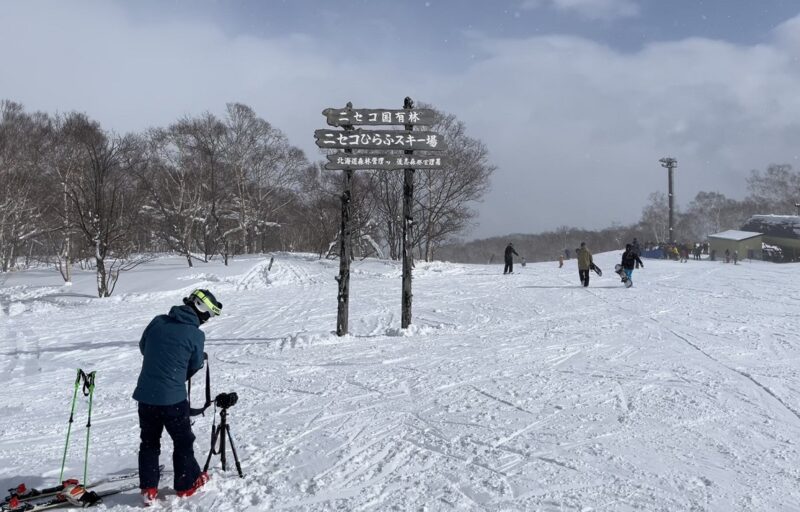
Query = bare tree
x=23 y=139
x=444 y=197
x=264 y=167
x=776 y=190
x=105 y=203
x=174 y=191
x=202 y=143
x=387 y=188
x=64 y=160
x=655 y=217
x=712 y=212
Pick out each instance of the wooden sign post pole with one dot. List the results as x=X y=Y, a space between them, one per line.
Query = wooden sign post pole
x=345 y=250
x=408 y=223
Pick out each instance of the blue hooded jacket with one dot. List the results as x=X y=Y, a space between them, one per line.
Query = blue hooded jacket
x=172 y=346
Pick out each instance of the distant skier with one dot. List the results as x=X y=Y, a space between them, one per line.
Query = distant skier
x=629 y=260
x=584 y=263
x=560 y=260
x=510 y=252
x=172 y=346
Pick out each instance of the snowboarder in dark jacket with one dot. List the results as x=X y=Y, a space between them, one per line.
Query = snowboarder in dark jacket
x=172 y=349
x=629 y=260
x=510 y=252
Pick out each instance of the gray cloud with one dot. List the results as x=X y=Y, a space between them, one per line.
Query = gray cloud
x=575 y=127
x=589 y=9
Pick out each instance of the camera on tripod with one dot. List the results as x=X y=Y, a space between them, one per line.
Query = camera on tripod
x=225 y=400
x=222 y=432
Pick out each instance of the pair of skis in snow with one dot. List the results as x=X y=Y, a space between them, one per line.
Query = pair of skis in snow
x=23 y=499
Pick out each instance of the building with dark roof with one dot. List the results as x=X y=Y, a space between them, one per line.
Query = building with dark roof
x=782 y=231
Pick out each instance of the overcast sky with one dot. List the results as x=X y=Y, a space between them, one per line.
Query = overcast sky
x=576 y=99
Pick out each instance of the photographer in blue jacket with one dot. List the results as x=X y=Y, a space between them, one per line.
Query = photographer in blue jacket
x=172 y=348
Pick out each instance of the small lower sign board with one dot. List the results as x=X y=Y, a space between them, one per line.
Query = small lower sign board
x=379 y=139
x=349 y=162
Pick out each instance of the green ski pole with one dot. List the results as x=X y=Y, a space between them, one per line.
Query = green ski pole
x=69 y=428
x=90 y=382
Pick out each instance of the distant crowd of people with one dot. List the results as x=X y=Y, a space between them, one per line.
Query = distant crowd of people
x=631 y=258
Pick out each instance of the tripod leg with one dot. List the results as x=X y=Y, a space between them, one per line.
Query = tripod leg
x=223 y=427
x=215 y=431
x=233 y=449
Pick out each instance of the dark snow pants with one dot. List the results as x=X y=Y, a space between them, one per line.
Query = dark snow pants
x=584 y=275
x=509 y=268
x=153 y=419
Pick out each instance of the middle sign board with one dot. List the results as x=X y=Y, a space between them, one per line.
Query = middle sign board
x=379 y=139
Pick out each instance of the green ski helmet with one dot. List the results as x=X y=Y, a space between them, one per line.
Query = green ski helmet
x=204 y=304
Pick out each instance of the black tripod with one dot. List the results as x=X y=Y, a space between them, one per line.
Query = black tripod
x=222 y=431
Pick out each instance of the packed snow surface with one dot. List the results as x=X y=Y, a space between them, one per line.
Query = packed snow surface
x=518 y=392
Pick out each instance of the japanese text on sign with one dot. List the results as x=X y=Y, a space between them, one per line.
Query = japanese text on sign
x=383 y=162
x=364 y=116
x=379 y=140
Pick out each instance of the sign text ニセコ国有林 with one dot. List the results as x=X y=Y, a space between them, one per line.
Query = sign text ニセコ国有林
x=378 y=116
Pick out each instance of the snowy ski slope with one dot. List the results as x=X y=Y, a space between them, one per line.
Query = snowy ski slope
x=520 y=392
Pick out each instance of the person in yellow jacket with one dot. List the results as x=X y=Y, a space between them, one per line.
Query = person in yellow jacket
x=584 y=263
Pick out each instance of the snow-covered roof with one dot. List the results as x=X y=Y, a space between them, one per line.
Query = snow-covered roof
x=733 y=234
x=779 y=226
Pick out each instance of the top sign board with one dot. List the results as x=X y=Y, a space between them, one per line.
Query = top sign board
x=378 y=116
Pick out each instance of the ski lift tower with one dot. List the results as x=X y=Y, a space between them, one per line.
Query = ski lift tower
x=670 y=164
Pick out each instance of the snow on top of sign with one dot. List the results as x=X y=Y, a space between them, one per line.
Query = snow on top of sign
x=733 y=234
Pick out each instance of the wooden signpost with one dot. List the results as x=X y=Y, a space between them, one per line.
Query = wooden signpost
x=385 y=141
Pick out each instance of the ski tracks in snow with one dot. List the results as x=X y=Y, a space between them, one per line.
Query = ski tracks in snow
x=520 y=392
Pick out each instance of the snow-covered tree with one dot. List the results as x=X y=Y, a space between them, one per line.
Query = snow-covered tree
x=104 y=198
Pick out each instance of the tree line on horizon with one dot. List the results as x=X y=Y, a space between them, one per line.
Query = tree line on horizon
x=775 y=190
x=207 y=187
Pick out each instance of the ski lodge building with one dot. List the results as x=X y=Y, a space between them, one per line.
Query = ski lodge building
x=747 y=243
x=773 y=237
x=782 y=231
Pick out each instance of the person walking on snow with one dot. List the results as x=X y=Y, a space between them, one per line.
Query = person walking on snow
x=510 y=252
x=585 y=263
x=629 y=259
x=172 y=346
x=636 y=248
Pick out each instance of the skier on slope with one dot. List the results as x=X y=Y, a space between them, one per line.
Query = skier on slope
x=509 y=268
x=585 y=263
x=172 y=346
x=629 y=260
